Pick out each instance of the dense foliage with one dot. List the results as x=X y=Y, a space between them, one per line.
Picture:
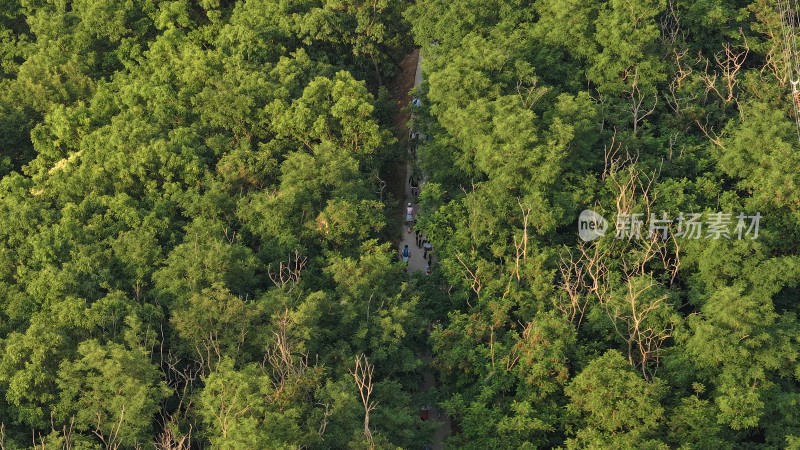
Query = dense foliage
x=196 y=241
x=195 y=244
x=540 y=109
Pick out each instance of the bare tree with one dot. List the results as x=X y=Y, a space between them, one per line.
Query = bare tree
x=708 y=130
x=729 y=61
x=632 y=320
x=583 y=277
x=521 y=245
x=181 y=379
x=638 y=108
x=670 y=26
x=66 y=432
x=281 y=360
x=381 y=185
x=323 y=424
x=288 y=273
x=362 y=375
x=683 y=70
x=169 y=440
x=619 y=275
x=110 y=439
x=529 y=93
x=614 y=160
x=473 y=277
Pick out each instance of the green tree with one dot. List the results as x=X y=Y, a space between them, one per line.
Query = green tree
x=111 y=392
x=614 y=407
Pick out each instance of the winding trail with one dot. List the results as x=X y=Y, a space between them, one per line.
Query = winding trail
x=417 y=263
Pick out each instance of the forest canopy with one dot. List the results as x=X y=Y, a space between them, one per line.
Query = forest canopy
x=200 y=209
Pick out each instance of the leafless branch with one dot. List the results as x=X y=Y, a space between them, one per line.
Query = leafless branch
x=362 y=375
x=288 y=273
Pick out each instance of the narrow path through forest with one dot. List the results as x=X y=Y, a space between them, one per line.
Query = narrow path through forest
x=418 y=263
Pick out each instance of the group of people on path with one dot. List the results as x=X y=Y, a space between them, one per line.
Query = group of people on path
x=414 y=137
x=420 y=240
x=424 y=243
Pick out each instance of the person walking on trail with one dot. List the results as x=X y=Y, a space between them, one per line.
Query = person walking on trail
x=428 y=247
x=414 y=186
x=410 y=216
x=406 y=254
x=418 y=239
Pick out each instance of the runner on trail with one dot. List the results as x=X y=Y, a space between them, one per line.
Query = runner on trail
x=406 y=254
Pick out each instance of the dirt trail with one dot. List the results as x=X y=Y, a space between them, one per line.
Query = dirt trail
x=417 y=262
x=400 y=88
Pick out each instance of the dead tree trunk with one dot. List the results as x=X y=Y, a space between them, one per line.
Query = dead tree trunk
x=362 y=375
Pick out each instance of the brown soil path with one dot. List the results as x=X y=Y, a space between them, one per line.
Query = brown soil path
x=417 y=263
